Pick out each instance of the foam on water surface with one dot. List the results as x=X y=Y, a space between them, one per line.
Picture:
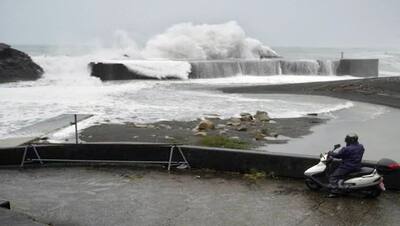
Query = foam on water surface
x=273 y=79
x=144 y=101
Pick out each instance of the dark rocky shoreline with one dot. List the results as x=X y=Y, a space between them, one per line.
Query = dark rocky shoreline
x=251 y=132
x=383 y=91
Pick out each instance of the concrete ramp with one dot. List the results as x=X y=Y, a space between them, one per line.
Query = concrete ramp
x=33 y=132
x=16 y=141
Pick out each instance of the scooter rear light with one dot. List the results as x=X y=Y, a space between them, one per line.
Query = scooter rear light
x=394 y=166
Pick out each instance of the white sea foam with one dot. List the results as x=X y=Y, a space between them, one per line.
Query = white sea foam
x=273 y=79
x=181 y=41
x=388 y=74
x=62 y=70
x=143 y=101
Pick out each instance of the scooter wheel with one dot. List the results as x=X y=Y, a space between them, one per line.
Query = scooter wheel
x=373 y=193
x=312 y=185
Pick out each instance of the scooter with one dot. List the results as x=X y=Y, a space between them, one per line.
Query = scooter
x=368 y=181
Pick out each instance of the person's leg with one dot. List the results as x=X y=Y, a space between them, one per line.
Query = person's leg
x=334 y=178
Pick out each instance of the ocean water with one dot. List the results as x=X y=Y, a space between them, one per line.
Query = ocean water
x=372 y=123
x=67 y=87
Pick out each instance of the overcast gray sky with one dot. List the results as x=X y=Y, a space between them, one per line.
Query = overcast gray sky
x=321 y=23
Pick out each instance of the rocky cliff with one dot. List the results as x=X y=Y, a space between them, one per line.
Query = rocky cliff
x=17 y=66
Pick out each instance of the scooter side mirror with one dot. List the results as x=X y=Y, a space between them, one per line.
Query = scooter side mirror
x=336 y=146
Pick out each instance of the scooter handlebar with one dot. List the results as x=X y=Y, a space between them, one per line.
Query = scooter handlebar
x=329 y=156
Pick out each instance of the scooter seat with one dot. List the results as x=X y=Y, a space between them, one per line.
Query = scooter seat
x=363 y=171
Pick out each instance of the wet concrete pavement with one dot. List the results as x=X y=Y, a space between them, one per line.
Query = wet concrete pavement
x=12 y=218
x=137 y=196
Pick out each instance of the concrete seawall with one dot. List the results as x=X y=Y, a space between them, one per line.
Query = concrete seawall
x=112 y=71
x=359 y=67
x=228 y=68
x=278 y=164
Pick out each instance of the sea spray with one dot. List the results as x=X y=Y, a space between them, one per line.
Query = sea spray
x=205 y=41
x=299 y=67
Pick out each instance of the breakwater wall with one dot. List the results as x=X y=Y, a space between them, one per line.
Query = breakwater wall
x=278 y=164
x=227 y=68
x=358 y=67
x=115 y=71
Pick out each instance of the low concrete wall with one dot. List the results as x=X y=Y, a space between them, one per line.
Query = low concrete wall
x=358 y=67
x=227 y=68
x=278 y=164
x=114 y=71
x=89 y=151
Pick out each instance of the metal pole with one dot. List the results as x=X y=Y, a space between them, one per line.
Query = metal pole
x=37 y=154
x=183 y=156
x=76 y=128
x=24 y=156
x=341 y=55
x=171 y=152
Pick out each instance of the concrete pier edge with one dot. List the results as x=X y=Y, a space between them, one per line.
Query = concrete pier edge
x=221 y=159
x=354 y=67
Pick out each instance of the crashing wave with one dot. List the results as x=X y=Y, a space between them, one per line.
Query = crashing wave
x=206 y=42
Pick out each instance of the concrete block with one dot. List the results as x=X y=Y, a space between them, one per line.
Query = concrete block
x=5 y=204
x=358 y=67
x=114 y=71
